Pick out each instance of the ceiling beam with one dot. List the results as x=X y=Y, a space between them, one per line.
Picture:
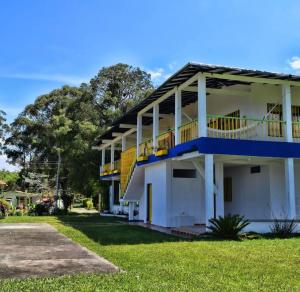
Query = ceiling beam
x=221 y=91
x=251 y=79
x=127 y=126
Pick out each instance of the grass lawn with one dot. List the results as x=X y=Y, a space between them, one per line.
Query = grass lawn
x=153 y=261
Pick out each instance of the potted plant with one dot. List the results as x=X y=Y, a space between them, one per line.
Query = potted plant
x=143 y=156
x=161 y=151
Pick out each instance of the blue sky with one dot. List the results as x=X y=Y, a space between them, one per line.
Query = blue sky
x=46 y=44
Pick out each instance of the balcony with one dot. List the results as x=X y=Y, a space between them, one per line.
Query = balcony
x=110 y=168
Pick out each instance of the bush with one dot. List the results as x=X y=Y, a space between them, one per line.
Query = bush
x=89 y=205
x=283 y=228
x=228 y=227
x=84 y=202
x=4 y=207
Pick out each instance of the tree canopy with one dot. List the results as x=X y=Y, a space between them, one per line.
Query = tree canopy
x=68 y=120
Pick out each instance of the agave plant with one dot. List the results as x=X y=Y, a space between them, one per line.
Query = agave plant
x=228 y=227
x=283 y=228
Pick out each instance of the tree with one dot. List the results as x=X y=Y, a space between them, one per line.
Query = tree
x=117 y=88
x=68 y=120
x=3 y=129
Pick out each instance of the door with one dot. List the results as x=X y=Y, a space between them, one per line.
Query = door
x=149 y=203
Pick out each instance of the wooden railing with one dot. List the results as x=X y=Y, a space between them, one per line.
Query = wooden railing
x=189 y=131
x=128 y=160
x=243 y=128
x=166 y=140
x=146 y=147
x=107 y=168
x=296 y=129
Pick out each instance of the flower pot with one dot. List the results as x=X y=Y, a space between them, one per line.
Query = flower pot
x=142 y=158
x=161 y=152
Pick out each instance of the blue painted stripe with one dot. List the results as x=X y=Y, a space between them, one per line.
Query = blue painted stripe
x=109 y=175
x=224 y=146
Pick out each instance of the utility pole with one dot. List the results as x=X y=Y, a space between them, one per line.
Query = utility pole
x=57 y=175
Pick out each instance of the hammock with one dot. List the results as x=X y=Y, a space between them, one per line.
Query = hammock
x=246 y=131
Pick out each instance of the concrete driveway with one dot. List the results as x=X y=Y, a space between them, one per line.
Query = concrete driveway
x=35 y=250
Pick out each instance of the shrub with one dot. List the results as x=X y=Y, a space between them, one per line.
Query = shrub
x=282 y=228
x=84 y=202
x=228 y=227
x=89 y=204
x=4 y=207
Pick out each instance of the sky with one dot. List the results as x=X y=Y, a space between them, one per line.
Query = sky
x=46 y=44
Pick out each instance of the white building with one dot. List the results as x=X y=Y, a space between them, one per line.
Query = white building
x=209 y=141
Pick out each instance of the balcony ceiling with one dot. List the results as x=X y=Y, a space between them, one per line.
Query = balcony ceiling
x=185 y=73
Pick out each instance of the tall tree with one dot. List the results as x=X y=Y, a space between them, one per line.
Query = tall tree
x=3 y=129
x=117 y=88
x=68 y=120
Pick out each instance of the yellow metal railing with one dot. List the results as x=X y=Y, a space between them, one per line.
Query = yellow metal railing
x=146 y=148
x=105 y=169
x=166 y=140
x=296 y=129
x=189 y=131
x=243 y=128
x=116 y=166
x=109 y=168
x=128 y=160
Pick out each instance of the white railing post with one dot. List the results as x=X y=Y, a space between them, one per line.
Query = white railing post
x=178 y=108
x=155 y=125
x=123 y=143
x=112 y=156
x=202 y=127
x=287 y=112
x=102 y=159
x=139 y=126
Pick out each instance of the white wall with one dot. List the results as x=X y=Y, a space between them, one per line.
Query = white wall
x=250 y=192
x=156 y=174
x=187 y=196
x=297 y=187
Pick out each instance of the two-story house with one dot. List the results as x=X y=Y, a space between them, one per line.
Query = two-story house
x=211 y=140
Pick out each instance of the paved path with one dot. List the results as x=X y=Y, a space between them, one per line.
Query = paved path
x=33 y=250
x=84 y=211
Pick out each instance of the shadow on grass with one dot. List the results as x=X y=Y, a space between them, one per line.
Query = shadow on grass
x=114 y=231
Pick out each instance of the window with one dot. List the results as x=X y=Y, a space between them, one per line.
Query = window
x=184 y=173
x=255 y=169
x=228 y=189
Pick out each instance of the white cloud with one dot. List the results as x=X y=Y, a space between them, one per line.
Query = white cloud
x=294 y=63
x=157 y=73
x=68 y=79
x=7 y=166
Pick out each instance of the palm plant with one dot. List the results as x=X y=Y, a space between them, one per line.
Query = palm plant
x=228 y=227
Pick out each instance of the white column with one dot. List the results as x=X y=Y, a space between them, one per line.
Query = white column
x=130 y=211
x=103 y=157
x=139 y=126
x=111 y=197
x=202 y=127
x=155 y=125
x=209 y=187
x=178 y=107
x=287 y=112
x=112 y=156
x=290 y=187
x=123 y=143
x=289 y=162
x=219 y=180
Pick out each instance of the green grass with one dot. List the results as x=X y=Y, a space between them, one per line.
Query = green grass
x=152 y=261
